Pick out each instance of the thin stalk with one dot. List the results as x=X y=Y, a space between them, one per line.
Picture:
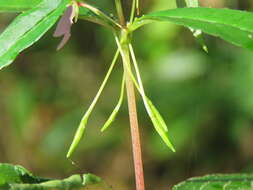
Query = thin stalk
x=133 y=11
x=127 y=67
x=135 y=135
x=142 y=91
x=99 y=13
x=120 y=12
x=138 y=6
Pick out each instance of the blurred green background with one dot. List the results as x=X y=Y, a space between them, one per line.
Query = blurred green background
x=206 y=100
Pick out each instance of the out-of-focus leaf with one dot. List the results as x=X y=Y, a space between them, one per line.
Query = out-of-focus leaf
x=17 y=5
x=18 y=178
x=29 y=27
x=217 y=182
x=233 y=26
x=10 y=174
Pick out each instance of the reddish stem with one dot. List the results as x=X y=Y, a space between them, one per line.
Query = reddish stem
x=136 y=144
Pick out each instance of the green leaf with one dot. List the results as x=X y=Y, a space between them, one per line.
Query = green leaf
x=217 y=182
x=157 y=116
x=158 y=122
x=233 y=26
x=17 y=5
x=28 y=28
x=117 y=107
x=14 y=177
x=16 y=174
x=82 y=126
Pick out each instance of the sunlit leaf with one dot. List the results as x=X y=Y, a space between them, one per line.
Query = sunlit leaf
x=17 y=5
x=233 y=26
x=28 y=28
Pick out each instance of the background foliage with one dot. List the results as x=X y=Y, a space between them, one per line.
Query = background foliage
x=206 y=99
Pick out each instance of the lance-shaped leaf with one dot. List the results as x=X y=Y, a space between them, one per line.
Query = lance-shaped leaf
x=117 y=107
x=233 y=26
x=82 y=126
x=17 y=5
x=29 y=27
x=217 y=182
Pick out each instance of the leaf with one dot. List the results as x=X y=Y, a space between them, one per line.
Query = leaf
x=18 y=178
x=157 y=115
x=158 y=122
x=17 y=5
x=217 y=182
x=16 y=174
x=233 y=26
x=28 y=28
x=116 y=109
x=82 y=126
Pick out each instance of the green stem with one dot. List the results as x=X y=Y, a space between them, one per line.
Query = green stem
x=133 y=11
x=120 y=12
x=99 y=13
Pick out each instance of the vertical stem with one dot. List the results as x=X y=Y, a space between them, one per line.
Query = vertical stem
x=135 y=135
x=132 y=11
x=120 y=12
